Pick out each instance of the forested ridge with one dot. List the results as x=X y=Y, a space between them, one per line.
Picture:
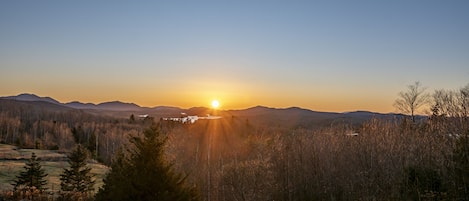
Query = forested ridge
x=233 y=158
x=47 y=126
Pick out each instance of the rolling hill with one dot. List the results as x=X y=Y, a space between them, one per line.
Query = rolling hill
x=288 y=117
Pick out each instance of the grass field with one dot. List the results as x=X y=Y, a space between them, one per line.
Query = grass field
x=12 y=161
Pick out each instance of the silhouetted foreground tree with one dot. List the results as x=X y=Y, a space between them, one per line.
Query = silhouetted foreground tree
x=30 y=182
x=144 y=173
x=412 y=99
x=77 y=181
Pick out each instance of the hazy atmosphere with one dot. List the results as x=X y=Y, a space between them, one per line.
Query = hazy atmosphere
x=234 y=100
x=325 y=56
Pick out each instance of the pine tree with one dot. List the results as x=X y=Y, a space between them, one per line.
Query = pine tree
x=144 y=174
x=32 y=180
x=78 y=178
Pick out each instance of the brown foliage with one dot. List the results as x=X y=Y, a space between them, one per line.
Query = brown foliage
x=231 y=161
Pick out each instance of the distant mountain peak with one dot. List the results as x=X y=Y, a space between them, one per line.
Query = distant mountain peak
x=118 y=106
x=118 y=103
x=112 y=105
x=26 y=95
x=259 y=107
x=80 y=105
x=32 y=97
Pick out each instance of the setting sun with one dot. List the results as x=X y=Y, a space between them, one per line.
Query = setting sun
x=215 y=104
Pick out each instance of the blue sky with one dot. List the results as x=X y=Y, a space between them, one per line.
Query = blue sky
x=321 y=55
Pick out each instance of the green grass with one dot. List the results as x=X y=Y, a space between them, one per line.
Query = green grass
x=12 y=161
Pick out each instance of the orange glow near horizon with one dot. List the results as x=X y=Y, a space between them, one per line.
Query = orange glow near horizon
x=231 y=94
x=288 y=59
x=230 y=99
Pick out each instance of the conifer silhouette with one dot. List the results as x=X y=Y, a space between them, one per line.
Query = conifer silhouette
x=32 y=180
x=77 y=179
x=144 y=173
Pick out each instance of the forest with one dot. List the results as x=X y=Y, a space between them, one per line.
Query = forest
x=419 y=157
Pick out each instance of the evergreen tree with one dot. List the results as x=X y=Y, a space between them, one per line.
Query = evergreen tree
x=144 y=174
x=132 y=119
x=77 y=179
x=32 y=179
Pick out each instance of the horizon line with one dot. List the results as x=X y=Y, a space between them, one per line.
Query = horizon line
x=184 y=108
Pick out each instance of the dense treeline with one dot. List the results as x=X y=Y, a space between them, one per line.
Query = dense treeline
x=388 y=160
x=232 y=159
x=42 y=126
x=400 y=159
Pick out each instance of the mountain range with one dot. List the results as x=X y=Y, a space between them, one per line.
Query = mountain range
x=113 y=106
x=258 y=114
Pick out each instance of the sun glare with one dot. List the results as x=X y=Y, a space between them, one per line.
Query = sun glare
x=215 y=104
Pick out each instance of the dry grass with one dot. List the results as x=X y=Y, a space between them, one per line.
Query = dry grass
x=12 y=161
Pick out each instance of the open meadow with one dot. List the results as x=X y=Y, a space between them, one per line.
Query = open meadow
x=12 y=161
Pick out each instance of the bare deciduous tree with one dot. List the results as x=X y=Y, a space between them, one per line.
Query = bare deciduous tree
x=450 y=108
x=412 y=99
x=446 y=103
x=464 y=92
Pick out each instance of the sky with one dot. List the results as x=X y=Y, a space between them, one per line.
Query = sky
x=332 y=56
